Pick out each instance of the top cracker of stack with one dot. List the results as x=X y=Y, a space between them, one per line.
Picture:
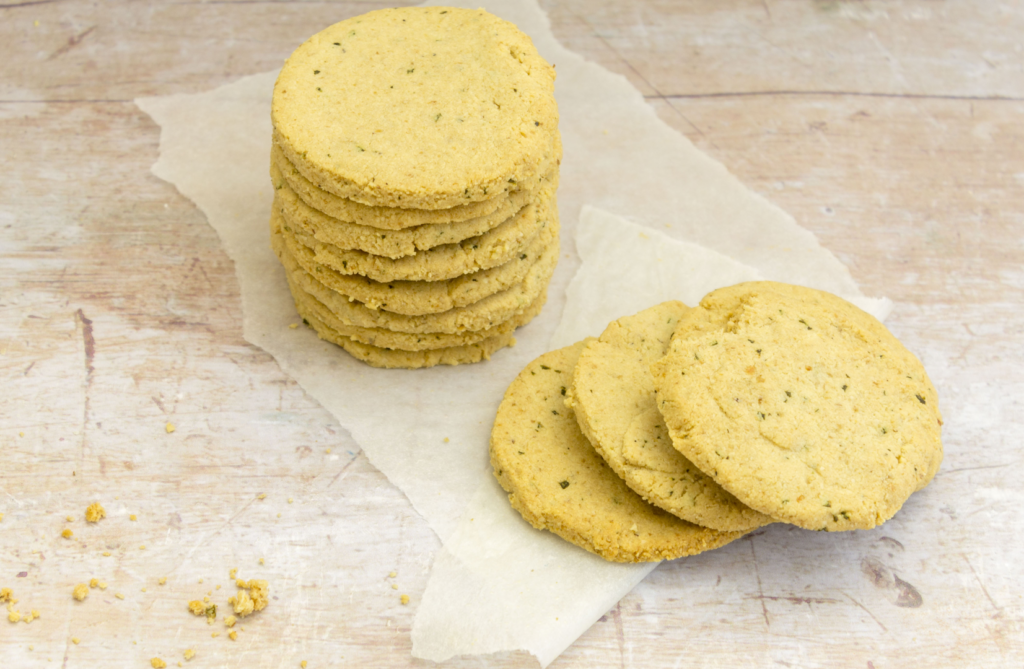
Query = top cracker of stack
x=415 y=160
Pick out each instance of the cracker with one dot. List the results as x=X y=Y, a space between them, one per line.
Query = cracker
x=613 y=397
x=421 y=107
x=558 y=482
x=801 y=405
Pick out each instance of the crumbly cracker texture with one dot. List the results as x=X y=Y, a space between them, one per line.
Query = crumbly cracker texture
x=95 y=512
x=252 y=596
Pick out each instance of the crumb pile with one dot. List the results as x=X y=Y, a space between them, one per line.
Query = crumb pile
x=415 y=162
x=679 y=430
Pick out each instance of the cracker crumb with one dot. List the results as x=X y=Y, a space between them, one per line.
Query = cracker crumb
x=231 y=574
x=197 y=608
x=189 y=654
x=67 y=534
x=230 y=621
x=70 y=519
x=446 y=440
x=163 y=579
x=1 y=517
x=290 y=500
x=133 y=517
x=157 y=663
x=261 y=560
x=261 y=496
x=143 y=589
x=102 y=585
x=293 y=325
x=215 y=634
x=119 y=595
x=405 y=599
x=169 y=427
x=106 y=553
x=302 y=664
x=80 y=592
x=6 y=595
x=75 y=640
x=13 y=616
x=233 y=635
x=328 y=451
x=142 y=547
x=94 y=513
x=394 y=586
x=393 y=574
x=93 y=583
x=252 y=596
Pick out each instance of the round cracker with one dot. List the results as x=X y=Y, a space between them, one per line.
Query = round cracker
x=419 y=107
x=800 y=404
x=613 y=397
x=558 y=482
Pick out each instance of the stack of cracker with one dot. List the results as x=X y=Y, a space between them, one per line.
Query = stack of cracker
x=415 y=160
x=679 y=430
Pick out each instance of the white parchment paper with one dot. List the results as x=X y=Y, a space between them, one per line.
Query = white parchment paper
x=428 y=430
x=495 y=567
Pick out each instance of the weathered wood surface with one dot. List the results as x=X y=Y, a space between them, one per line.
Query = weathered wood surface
x=892 y=130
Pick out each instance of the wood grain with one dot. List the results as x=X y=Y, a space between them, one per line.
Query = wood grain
x=891 y=130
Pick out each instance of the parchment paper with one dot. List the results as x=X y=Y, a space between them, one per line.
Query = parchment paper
x=620 y=157
x=495 y=567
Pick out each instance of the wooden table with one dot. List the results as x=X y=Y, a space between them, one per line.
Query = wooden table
x=892 y=130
